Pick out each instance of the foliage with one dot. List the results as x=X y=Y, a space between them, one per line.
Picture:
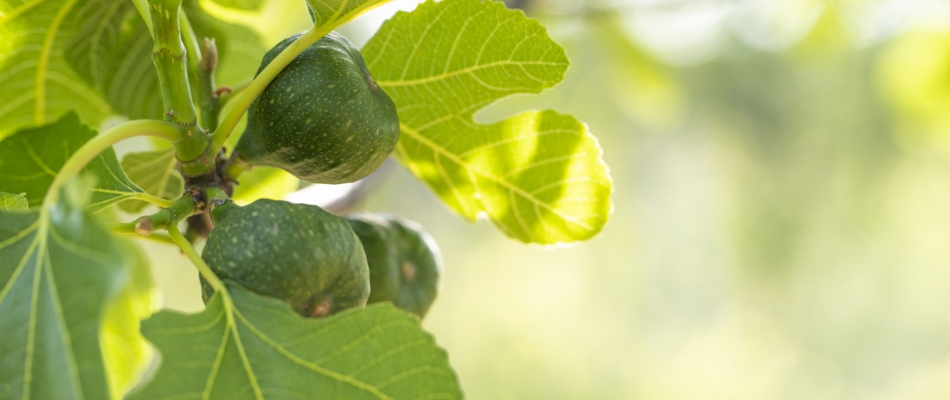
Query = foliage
x=75 y=293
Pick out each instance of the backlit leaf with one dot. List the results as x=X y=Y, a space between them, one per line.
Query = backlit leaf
x=538 y=175
x=36 y=82
x=333 y=13
x=251 y=5
x=125 y=351
x=112 y=51
x=13 y=202
x=154 y=171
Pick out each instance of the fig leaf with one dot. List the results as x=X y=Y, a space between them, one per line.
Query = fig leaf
x=261 y=349
x=539 y=175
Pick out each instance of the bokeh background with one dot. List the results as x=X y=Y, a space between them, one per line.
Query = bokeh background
x=781 y=225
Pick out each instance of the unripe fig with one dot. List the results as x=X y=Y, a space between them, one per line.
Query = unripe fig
x=323 y=118
x=404 y=261
x=297 y=253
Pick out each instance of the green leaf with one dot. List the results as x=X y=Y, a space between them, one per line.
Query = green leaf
x=240 y=48
x=249 y=5
x=125 y=351
x=539 y=175
x=30 y=159
x=112 y=51
x=154 y=171
x=58 y=271
x=265 y=350
x=333 y=13
x=13 y=202
x=36 y=82
x=264 y=183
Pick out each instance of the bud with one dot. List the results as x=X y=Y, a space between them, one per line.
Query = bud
x=209 y=55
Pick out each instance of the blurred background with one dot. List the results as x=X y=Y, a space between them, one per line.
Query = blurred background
x=782 y=208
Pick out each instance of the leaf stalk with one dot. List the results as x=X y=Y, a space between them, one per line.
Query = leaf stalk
x=103 y=141
x=243 y=102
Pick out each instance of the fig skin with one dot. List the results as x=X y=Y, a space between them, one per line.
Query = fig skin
x=323 y=118
x=301 y=254
x=404 y=262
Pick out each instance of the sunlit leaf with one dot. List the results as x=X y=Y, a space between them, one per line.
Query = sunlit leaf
x=265 y=350
x=30 y=159
x=154 y=171
x=125 y=351
x=58 y=271
x=240 y=48
x=13 y=202
x=112 y=51
x=264 y=183
x=333 y=13
x=36 y=82
x=251 y=5
x=539 y=175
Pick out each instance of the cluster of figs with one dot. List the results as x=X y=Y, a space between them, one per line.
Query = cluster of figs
x=323 y=119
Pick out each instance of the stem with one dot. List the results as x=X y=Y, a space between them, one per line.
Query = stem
x=260 y=82
x=208 y=98
x=192 y=255
x=189 y=39
x=182 y=208
x=219 y=203
x=203 y=61
x=100 y=143
x=119 y=229
x=158 y=201
x=169 y=55
x=235 y=167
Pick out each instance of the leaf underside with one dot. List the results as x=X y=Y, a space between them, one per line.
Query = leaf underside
x=13 y=202
x=156 y=172
x=36 y=81
x=30 y=159
x=57 y=273
x=539 y=175
x=93 y=57
x=270 y=352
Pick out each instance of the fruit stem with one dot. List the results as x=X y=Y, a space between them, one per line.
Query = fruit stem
x=184 y=207
x=103 y=141
x=219 y=203
x=126 y=230
x=235 y=166
x=170 y=57
x=260 y=82
x=192 y=255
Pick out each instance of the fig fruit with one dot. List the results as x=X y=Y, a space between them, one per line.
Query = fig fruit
x=297 y=253
x=404 y=261
x=322 y=118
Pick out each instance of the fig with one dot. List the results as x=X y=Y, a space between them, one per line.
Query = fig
x=322 y=118
x=404 y=261
x=301 y=254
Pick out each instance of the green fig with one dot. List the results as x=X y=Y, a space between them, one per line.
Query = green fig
x=322 y=118
x=297 y=253
x=404 y=261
